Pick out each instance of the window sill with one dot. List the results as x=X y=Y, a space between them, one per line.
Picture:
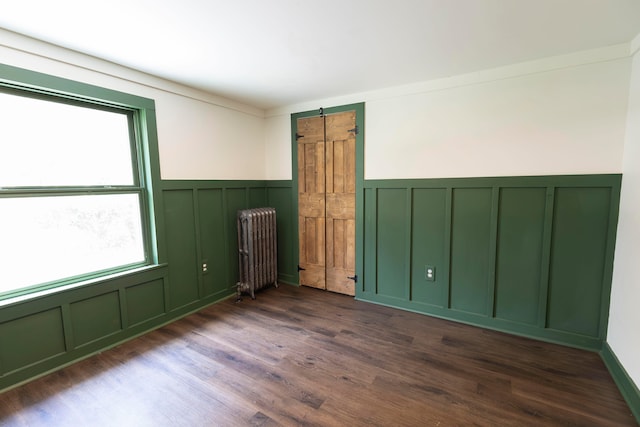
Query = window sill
x=18 y=299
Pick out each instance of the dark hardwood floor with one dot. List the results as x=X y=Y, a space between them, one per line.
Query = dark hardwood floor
x=299 y=356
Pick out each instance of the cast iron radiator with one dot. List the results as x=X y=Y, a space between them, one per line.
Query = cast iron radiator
x=257 y=250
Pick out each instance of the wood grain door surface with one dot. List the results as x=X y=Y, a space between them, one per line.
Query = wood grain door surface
x=326 y=201
x=311 y=201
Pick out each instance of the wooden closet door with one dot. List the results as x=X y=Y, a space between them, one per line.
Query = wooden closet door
x=311 y=201
x=340 y=169
x=326 y=201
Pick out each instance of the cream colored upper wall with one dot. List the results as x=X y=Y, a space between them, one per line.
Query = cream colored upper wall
x=278 y=147
x=563 y=115
x=200 y=136
x=199 y=140
x=623 y=334
x=569 y=121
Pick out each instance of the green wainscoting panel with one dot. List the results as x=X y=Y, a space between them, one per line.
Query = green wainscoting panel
x=428 y=246
x=279 y=197
x=208 y=231
x=484 y=235
x=145 y=302
x=519 y=254
x=369 y=280
x=470 y=241
x=527 y=255
x=30 y=339
x=213 y=241
x=95 y=318
x=236 y=199
x=197 y=221
x=392 y=254
x=180 y=229
x=258 y=197
x=59 y=326
x=581 y=229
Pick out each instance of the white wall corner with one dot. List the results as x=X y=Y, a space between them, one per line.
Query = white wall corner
x=622 y=337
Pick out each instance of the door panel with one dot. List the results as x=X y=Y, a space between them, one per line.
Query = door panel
x=311 y=201
x=326 y=201
x=340 y=259
x=312 y=252
x=340 y=143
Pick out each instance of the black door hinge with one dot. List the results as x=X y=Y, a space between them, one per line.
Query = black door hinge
x=354 y=130
x=300 y=268
x=298 y=136
x=354 y=278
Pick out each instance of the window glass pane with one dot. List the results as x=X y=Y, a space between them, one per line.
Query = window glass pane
x=50 y=238
x=44 y=143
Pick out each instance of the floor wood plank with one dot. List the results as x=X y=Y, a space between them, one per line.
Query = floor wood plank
x=301 y=356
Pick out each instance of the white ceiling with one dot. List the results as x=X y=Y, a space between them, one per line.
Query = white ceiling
x=271 y=53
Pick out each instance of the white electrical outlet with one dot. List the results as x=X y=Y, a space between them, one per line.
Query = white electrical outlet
x=430 y=273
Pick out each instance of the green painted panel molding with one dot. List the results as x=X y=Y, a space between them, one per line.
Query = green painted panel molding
x=200 y=221
x=527 y=255
x=44 y=332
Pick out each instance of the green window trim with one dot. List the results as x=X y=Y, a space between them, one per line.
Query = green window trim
x=145 y=164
